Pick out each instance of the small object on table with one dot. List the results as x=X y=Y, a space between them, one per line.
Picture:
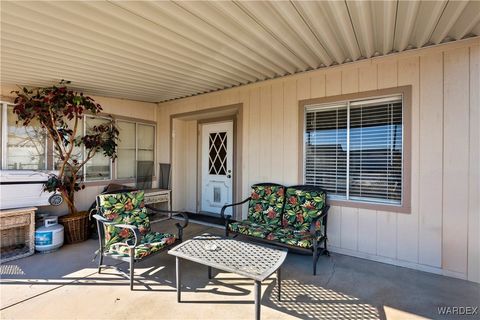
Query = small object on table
x=211 y=247
x=253 y=261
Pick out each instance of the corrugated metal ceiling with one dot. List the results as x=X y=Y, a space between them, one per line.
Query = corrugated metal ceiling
x=157 y=51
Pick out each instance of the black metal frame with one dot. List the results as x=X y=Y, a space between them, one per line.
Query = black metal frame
x=317 y=249
x=102 y=222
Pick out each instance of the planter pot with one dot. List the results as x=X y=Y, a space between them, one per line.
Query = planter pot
x=77 y=226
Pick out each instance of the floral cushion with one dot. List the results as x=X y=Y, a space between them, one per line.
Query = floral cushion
x=150 y=243
x=302 y=206
x=129 y=208
x=250 y=228
x=303 y=239
x=266 y=204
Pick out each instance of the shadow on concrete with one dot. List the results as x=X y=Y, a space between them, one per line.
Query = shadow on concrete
x=345 y=287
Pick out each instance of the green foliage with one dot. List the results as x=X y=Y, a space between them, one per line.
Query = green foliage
x=302 y=207
x=129 y=208
x=59 y=111
x=266 y=204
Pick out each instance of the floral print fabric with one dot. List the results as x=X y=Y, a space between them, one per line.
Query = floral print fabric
x=266 y=204
x=129 y=208
x=250 y=228
x=150 y=243
x=284 y=215
x=297 y=238
x=302 y=207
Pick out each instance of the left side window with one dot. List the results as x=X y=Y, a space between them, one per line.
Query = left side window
x=23 y=148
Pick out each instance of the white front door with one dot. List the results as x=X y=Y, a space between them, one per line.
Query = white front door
x=217 y=169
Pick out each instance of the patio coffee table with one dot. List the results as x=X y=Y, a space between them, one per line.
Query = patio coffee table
x=253 y=261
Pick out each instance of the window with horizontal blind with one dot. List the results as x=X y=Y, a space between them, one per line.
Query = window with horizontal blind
x=354 y=149
x=29 y=148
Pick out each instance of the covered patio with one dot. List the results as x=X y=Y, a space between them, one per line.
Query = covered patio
x=348 y=288
x=328 y=148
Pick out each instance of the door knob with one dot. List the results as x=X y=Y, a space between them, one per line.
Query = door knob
x=229 y=176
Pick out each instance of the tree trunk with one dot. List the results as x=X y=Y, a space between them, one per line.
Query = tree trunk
x=71 y=204
x=71 y=207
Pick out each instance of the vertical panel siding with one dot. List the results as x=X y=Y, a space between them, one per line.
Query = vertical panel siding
x=350 y=81
x=265 y=151
x=473 y=267
x=290 y=133
x=245 y=100
x=441 y=232
x=367 y=77
x=333 y=83
x=317 y=85
x=277 y=134
x=335 y=226
x=407 y=247
x=191 y=164
x=455 y=159
x=254 y=137
x=179 y=164
x=367 y=231
x=431 y=159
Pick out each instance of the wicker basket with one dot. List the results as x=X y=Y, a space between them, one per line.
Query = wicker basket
x=17 y=233
x=77 y=226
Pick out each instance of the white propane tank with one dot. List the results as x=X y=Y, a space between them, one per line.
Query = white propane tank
x=49 y=237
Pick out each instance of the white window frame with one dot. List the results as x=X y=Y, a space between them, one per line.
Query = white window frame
x=137 y=123
x=84 y=151
x=4 y=132
x=49 y=165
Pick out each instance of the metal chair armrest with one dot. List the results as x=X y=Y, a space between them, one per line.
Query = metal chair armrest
x=101 y=219
x=134 y=229
x=222 y=212
x=180 y=227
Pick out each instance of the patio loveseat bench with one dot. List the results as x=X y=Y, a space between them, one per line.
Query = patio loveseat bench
x=294 y=217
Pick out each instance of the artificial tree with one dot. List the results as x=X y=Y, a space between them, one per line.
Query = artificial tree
x=59 y=111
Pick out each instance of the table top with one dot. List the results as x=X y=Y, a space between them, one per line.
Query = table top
x=253 y=261
x=15 y=211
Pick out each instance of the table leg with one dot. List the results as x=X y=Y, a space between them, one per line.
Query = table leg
x=178 y=275
x=209 y=272
x=279 y=282
x=258 y=298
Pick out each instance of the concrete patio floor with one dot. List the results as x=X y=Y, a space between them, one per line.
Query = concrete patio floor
x=65 y=285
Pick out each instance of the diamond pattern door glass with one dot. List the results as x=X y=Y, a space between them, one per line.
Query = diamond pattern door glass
x=217 y=155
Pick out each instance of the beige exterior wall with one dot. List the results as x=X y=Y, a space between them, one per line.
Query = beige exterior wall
x=442 y=232
x=119 y=107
